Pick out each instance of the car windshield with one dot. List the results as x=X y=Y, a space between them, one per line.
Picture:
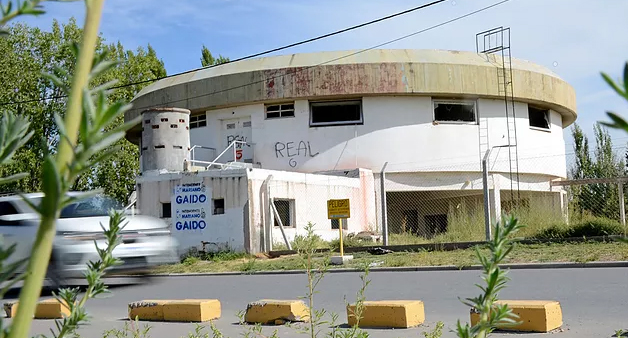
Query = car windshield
x=89 y=207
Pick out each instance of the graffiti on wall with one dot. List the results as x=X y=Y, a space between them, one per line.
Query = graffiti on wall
x=238 y=146
x=293 y=150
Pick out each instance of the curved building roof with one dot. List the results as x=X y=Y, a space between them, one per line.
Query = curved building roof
x=355 y=73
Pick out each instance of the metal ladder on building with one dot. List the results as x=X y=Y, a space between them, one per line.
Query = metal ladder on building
x=494 y=42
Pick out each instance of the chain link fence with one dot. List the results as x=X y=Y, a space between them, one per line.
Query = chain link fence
x=446 y=202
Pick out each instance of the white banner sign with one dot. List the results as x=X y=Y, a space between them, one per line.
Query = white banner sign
x=190 y=206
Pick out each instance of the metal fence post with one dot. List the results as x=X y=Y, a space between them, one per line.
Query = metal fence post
x=384 y=210
x=487 y=207
x=622 y=206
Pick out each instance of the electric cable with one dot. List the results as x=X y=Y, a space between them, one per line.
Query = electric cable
x=433 y=3
x=334 y=59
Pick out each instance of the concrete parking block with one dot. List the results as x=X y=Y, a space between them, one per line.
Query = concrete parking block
x=388 y=314
x=192 y=310
x=46 y=309
x=152 y=310
x=272 y=311
x=534 y=315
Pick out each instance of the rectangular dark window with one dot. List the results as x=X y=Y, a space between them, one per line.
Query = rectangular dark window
x=218 y=206
x=280 y=110
x=335 y=113
x=335 y=224
x=539 y=118
x=285 y=209
x=166 y=210
x=198 y=121
x=435 y=224
x=451 y=111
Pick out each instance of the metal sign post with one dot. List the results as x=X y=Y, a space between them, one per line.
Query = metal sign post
x=339 y=209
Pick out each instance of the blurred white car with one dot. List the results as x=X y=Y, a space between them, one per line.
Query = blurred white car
x=145 y=241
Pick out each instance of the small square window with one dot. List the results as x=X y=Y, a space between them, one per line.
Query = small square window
x=285 y=209
x=335 y=224
x=166 y=210
x=539 y=118
x=280 y=110
x=198 y=121
x=218 y=206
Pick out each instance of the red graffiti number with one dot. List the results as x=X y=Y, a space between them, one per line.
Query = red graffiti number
x=238 y=154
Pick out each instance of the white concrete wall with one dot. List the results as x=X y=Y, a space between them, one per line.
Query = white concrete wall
x=310 y=193
x=224 y=231
x=397 y=129
x=245 y=223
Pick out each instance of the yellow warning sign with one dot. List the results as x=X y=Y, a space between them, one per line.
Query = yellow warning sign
x=337 y=209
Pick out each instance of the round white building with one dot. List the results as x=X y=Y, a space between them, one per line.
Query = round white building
x=431 y=114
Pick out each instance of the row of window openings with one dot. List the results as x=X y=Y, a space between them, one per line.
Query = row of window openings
x=285 y=209
x=350 y=112
x=195 y=122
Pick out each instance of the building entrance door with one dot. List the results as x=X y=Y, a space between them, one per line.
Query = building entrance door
x=238 y=130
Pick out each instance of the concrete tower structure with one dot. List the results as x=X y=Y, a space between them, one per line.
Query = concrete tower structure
x=165 y=141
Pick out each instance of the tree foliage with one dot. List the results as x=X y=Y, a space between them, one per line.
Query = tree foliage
x=27 y=52
x=207 y=59
x=596 y=199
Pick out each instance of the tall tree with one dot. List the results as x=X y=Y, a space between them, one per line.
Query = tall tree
x=597 y=199
x=207 y=59
x=27 y=52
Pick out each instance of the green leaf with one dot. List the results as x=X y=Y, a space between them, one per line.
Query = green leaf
x=103 y=67
x=13 y=178
x=51 y=187
x=625 y=75
x=109 y=114
x=613 y=85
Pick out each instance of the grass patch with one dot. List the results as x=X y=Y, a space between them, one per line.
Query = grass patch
x=536 y=253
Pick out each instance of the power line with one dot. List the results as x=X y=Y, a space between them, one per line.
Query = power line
x=433 y=3
x=338 y=58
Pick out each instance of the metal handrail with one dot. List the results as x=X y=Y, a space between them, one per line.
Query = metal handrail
x=231 y=145
x=191 y=151
x=215 y=162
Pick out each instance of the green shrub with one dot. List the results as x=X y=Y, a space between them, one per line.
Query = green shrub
x=596 y=227
x=590 y=227
x=553 y=232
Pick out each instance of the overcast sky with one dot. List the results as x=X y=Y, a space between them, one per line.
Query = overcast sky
x=575 y=38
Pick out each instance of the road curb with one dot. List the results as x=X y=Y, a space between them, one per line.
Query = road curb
x=517 y=266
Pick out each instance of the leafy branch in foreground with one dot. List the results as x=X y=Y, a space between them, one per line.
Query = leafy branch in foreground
x=12 y=10
x=13 y=135
x=491 y=314
x=618 y=122
x=95 y=273
x=87 y=116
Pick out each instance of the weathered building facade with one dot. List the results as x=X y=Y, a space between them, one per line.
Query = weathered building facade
x=431 y=114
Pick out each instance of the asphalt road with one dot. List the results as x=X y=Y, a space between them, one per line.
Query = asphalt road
x=593 y=300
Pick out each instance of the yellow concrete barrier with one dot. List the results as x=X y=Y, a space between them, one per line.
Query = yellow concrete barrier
x=46 y=309
x=192 y=310
x=152 y=310
x=534 y=315
x=271 y=311
x=388 y=314
x=186 y=310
